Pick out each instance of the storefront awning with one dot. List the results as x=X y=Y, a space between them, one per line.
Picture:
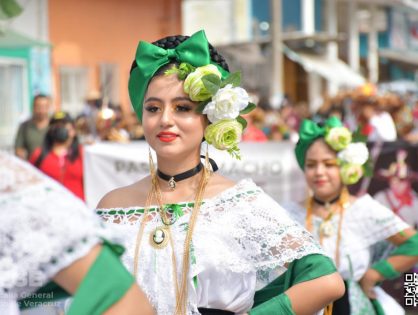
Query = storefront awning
x=336 y=71
x=11 y=39
x=403 y=56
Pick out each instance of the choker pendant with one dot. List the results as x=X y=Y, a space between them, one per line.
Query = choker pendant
x=172 y=183
x=159 y=237
x=172 y=180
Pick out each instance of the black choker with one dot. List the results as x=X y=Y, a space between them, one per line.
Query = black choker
x=172 y=180
x=323 y=203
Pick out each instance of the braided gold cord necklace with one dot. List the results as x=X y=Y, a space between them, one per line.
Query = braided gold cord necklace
x=343 y=203
x=181 y=289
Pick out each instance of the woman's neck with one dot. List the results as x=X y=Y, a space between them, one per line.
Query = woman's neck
x=327 y=199
x=185 y=189
x=60 y=148
x=173 y=167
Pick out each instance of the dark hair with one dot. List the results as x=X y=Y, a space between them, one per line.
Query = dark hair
x=59 y=119
x=170 y=42
x=38 y=96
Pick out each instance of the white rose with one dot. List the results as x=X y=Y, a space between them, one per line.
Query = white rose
x=226 y=103
x=354 y=153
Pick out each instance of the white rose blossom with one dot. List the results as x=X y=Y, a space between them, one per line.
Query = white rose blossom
x=226 y=103
x=354 y=153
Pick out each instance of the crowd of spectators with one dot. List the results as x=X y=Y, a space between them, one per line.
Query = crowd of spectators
x=377 y=116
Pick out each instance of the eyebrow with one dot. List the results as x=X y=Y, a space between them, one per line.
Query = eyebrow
x=176 y=99
x=324 y=160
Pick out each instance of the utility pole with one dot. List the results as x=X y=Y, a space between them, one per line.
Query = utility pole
x=373 y=56
x=332 y=47
x=353 y=36
x=308 y=16
x=276 y=82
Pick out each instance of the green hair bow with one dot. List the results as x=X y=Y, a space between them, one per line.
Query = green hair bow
x=149 y=58
x=309 y=131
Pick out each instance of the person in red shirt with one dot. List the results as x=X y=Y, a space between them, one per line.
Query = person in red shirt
x=253 y=132
x=61 y=155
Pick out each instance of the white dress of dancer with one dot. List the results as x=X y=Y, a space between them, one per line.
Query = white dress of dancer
x=241 y=242
x=365 y=223
x=43 y=229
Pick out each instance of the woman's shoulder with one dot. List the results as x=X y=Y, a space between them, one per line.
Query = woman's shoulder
x=127 y=196
x=364 y=202
x=368 y=210
x=221 y=187
x=217 y=185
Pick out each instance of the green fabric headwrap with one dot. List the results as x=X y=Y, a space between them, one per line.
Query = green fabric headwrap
x=150 y=58
x=309 y=131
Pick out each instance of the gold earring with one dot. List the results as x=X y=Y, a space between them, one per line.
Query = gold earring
x=151 y=164
x=208 y=166
x=344 y=197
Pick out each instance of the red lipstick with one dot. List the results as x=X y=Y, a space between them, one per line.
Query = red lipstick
x=166 y=136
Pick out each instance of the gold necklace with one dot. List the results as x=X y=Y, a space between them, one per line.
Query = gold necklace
x=181 y=290
x=343 y=203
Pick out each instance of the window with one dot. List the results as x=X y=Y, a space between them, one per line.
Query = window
x=73 y=85
x=14 y=104
x=109 y=82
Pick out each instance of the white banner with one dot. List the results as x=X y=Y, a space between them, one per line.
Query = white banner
x=271 y=165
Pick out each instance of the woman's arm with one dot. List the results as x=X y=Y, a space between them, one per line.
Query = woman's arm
x=311 y=296
x=132 y=302
x=401 y=259
x=309 y=284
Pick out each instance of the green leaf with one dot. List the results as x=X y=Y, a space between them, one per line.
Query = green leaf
x=9 y=9
x=182 y=71
x=172 y=70
x=242 y=121
x=235 y=152
x=201 y=106
x=185 y=69
x=358 y=136
x=248 y=109
x=212 y=83
x=368 y=168
x=233 y=78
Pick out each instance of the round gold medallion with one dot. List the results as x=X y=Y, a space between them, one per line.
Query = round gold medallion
x=159 y=237
x=326 y=229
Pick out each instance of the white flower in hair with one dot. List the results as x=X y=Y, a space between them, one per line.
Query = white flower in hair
x=354 y=153
x=226 y=103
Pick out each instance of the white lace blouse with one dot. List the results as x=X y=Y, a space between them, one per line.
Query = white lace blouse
x=241 y=242
x=365 y=223
x=43 y=229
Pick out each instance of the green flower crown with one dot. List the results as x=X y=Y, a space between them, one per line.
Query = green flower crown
x=206 y=82
x=352 y=154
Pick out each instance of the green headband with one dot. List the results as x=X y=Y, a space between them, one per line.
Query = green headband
x=309 y=131
x=149 y=58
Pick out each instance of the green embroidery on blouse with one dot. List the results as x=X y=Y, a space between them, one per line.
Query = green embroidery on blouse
x=175 y=209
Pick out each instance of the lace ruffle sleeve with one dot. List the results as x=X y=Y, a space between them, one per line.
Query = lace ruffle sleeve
x=260 y=234
x=43 y=228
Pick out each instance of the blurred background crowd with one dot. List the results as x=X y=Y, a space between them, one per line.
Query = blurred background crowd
x=64 y=68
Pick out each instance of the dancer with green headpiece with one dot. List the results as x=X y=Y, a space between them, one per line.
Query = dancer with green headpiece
x=197 y=242
x=347 y=226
